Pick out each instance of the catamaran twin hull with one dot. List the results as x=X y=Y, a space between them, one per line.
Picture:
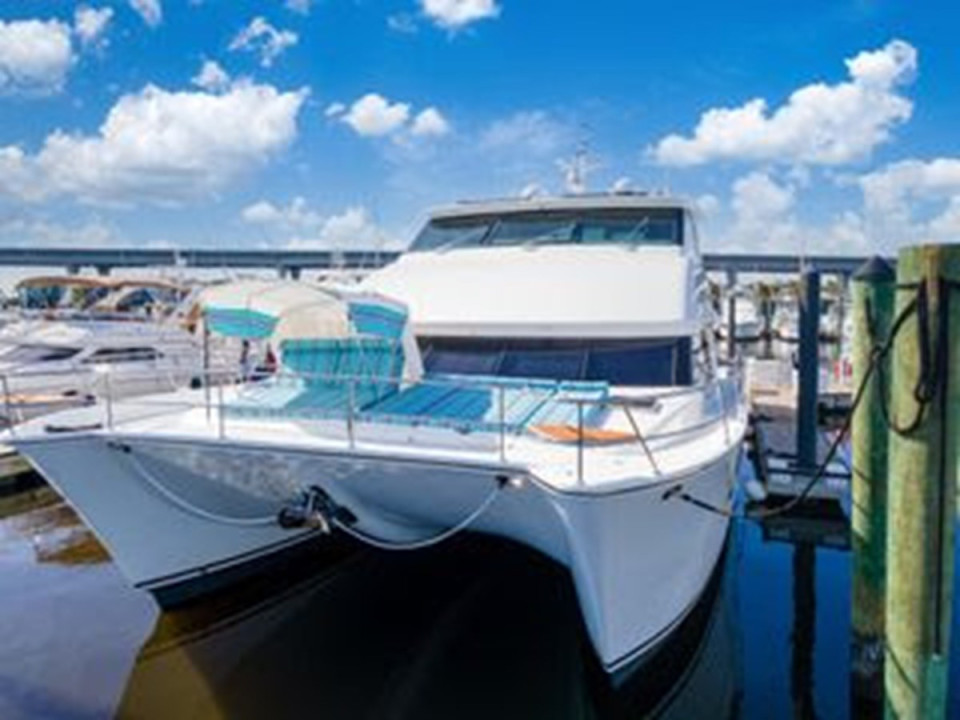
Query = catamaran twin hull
x=179 y=511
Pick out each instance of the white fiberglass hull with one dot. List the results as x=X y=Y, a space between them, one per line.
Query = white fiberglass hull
x=177 y=511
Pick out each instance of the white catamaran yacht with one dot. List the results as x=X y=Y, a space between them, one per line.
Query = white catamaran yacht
x=541 y=370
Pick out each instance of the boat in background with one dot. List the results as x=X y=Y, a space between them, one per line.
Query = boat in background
x=50 y=365
x=749 y=325
x=138 y=337
x=541 y=370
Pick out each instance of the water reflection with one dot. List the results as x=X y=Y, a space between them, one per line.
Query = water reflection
x=57 y=535
x=478 y=629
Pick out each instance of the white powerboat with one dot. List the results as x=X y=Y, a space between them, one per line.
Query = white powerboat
x=748 y=324
x=562 y=392
x=50 y=365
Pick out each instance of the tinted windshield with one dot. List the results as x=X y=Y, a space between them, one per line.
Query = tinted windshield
x=654 y=362
x=38 y=353
x=652 y=226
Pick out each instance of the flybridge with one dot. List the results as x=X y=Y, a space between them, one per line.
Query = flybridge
x=292 y=262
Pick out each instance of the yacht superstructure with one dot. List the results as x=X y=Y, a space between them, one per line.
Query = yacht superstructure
x=541 y=370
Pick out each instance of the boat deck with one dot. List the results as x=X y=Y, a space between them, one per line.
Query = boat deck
x=677 y=436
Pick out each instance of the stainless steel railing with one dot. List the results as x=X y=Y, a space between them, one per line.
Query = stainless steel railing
x=108 y=390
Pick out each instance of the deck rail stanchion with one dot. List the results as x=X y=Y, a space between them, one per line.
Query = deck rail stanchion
x=206 y=364
x=351 y=401
x=502 y=410
x=579 y=442
x=723 y=411
x=8 y=405
x=108 y=391
x=640 y=439
x=207 y=396
x=221 y=420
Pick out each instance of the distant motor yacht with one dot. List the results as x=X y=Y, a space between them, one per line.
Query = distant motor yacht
x=51 y=365
x=542 y=370
x=748 y=325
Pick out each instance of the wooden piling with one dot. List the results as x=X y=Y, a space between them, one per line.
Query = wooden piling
x=922 y=485
x=808 y=370
x=873 y=298
x=874 y=291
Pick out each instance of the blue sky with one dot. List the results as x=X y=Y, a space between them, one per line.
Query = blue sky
x=826 y=126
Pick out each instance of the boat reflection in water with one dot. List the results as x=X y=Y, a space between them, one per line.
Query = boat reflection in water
x=476 y=628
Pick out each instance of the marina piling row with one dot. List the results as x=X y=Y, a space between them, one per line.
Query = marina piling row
x=905 y=473
x=873 y=298
x=922 y=484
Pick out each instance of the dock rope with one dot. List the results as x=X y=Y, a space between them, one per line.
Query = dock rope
x=334 y=520
x=427 y=542
x=186 y=505
x=924 y=389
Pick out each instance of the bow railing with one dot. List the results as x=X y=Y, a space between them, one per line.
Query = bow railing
x=354 y=408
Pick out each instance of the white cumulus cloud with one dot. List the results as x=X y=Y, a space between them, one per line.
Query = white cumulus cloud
x=764 y=215
x=264 y=39
x=374 y=116
x=150 y=10
x=913 y=201
x=35 y=56
x=90 y=25
x=820 y=124
x=211 y=77
x=159 y=146
x=302 y=227
x=27 y=231
x=430 y=122
x=888 y=188
x=297 y=215
x=455 y=14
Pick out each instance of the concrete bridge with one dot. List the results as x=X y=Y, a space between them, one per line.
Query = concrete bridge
x=293 y=262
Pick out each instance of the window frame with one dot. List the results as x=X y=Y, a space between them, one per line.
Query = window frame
x=681 y=373
x=120 y=355
x=578 y=218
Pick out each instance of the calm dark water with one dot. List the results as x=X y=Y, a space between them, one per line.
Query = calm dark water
x=474 y=629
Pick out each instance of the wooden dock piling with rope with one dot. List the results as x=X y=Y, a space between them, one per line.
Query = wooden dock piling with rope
x=921 y=482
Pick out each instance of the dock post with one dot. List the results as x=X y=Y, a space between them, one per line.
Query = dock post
x=808 y=370
x=731 y=316
x=767 y=306
x=874 y=288
x=922 y=484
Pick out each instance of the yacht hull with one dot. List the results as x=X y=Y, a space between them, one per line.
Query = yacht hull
x=176 y=513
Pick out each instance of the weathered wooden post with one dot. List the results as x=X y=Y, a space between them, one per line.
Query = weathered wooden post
x=874 y=288
x=922 y=484
x=808 y=370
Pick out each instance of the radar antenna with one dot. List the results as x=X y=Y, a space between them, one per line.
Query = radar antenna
x=576 y=170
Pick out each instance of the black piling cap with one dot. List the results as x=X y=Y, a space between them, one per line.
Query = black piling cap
x=876 y=269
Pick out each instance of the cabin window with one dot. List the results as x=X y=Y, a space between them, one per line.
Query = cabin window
x=459 y=232
x=111 y=356
x=464 y=358
x=630 y=226
x=38 y=353
x=653 y=362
